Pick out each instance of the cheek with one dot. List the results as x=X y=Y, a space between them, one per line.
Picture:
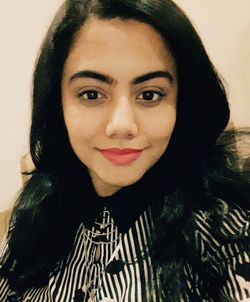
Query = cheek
x=160 y=126
x=159 y=131
x=82 y=128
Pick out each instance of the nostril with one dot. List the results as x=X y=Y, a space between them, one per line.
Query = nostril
x=121 y=128
x=122 y=123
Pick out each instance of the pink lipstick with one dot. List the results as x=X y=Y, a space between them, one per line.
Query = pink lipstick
x=121 y=156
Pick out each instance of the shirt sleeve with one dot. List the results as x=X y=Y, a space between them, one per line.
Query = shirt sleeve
x=229 y=259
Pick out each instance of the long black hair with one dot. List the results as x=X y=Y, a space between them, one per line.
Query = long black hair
x=185 y=179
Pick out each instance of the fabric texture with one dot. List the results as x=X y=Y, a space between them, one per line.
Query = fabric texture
x=87 y=275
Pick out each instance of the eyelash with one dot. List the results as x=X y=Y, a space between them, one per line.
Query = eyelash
x=159 y=94
x=97 y=100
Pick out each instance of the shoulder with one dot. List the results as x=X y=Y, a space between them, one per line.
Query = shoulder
x=223 y=248
x=4 y=222
x=234 y=221
x=220 y=239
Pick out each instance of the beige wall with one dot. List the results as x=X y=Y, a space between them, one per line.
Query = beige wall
x=22 y=26
x=223 y=24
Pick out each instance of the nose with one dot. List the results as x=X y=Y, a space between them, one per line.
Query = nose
x=122 y=123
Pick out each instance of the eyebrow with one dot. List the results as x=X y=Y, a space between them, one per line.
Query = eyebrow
x=109 y=80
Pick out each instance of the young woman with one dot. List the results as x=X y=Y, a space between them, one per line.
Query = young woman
x=136 y=194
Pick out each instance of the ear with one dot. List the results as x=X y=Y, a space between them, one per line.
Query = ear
x=27 y=167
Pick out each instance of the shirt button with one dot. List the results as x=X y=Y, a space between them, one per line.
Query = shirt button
x=14 y=298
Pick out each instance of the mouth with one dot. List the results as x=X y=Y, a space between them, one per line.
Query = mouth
x=121 y=156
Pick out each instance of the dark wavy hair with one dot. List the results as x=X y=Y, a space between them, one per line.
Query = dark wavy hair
x=185 y=179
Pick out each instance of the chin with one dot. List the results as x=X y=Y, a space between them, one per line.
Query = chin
x=123 y=181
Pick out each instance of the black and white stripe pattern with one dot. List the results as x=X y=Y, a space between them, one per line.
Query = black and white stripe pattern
x=83 y=271
x=86 y=271
x=225 y=258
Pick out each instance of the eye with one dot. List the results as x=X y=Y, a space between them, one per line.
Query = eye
x=151 y=96
x=90 y=94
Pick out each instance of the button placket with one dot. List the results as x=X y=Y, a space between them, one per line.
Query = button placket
x=102 y=233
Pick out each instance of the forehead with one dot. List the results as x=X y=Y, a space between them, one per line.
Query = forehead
x=119 y=43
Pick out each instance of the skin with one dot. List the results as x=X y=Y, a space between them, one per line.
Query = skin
x=100 y=115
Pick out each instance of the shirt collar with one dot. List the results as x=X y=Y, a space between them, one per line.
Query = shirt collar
x=125 y=206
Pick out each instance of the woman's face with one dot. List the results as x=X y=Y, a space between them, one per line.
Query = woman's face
x=119 y=90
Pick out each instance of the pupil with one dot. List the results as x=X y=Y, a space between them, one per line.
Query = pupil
x=92 y=95
x=148 y=95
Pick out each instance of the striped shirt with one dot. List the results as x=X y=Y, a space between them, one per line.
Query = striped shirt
x=106 y=265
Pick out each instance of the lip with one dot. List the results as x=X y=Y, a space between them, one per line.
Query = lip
x=121 y=156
